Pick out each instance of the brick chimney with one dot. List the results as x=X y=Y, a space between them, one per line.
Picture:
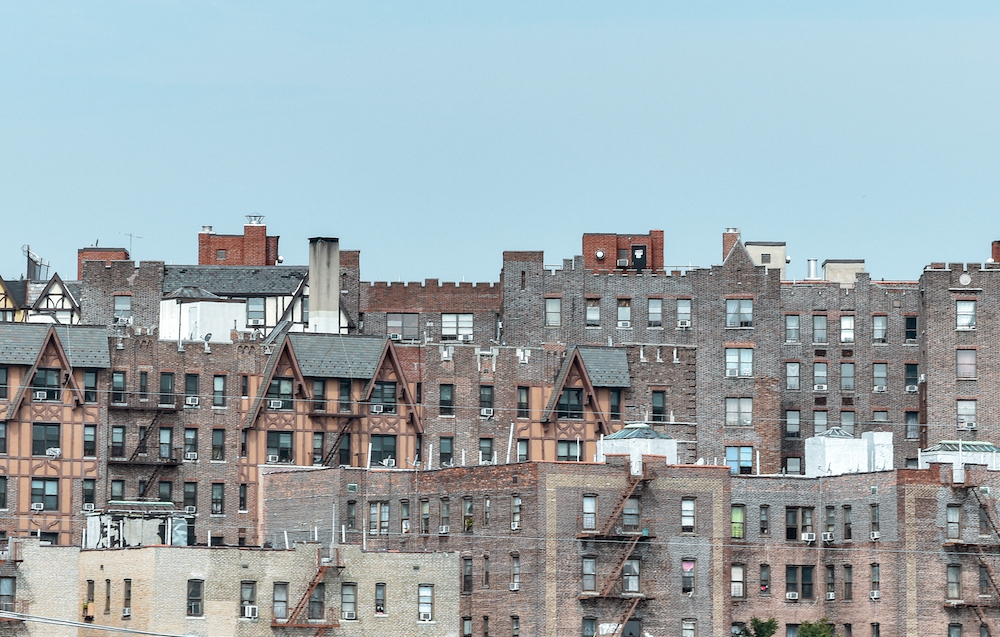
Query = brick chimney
x=996 y=252
x=729 y=239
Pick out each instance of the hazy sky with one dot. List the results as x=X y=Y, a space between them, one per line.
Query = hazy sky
x=435 y=135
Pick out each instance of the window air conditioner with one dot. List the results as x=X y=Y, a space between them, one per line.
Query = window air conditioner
x=443 y=529
x=819 y=387
x=808 y=537
x=515 y=526
x=466 y=338
x=191 y=401
x=88 y=506
x=255 y=322
x=395 y=337
x=37 y=506
x=874 y=595
x=792 y=596
x=126 y=612
x=191 y=455
x=970 y=426
x=911 y=341
x=515 y=586
x=272 y=459
x=425 y=617
x=250 y=612
x=389 y=462
x=879 y=389
x=350 y=614
x=828 y=537
x=623 y=325
x=53 y=452
x=684 y=324
x=40 y=395
x=831 y=596
x=911 y=389
x=376 y=409
x=622 y=263
x=275 y=404
x=875 y=536
x=190 y=509
x=486 y=412
x=730 y=373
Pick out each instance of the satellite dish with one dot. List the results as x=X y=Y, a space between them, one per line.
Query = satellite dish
x=208 y=337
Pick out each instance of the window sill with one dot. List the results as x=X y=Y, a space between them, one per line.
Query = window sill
x=739 y=327
x=961 y=378
x=219 y=407
x=200 y=618
x=793 y=342
x=655 y=327
x=446 y=415
x=217 y=515
x=217 y=461
x=592 y=327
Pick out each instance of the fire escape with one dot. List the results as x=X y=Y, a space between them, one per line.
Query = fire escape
x=12 y=553
x=304 y=614
x=619 y=538
x=164 y=456
x=985 y=552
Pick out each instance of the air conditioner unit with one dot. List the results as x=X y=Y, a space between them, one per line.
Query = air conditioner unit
x=37 y=506
x=791 y=596
x=465 y=338
x=819 y=387
x=970 y=426
x=376 y=409
x=828 y=537
x=730 y=373
x=808 y=537
x=126 y=612
x=622 y=263
x=88 y=506
x=53 y=452
x=684 y=324
x=255 y=322
x=831 y=596
x=873 y=595
x=624 y=324
x=425 y=617
x=984 y=490
x=272 y=459
x=275 y=404
x=191 y=401
x=406 y=526
x=190 y=509
x=395 y=337
x=444 y=528
x=250 y=612
x=350 y=614
x=879 y=389
x=911 y=389
x=191 y=455
x=40 y=395
x=515 y=586
x=486 y=412
x=875 y=536
x=389 y=462
x=911 y=341
x=515 y=526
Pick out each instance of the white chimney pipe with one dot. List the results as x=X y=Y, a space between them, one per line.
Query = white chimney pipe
x=324 y=285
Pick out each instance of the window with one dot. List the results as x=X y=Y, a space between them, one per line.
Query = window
x=446 y=405
x=911 y=376
x=655 y=313
x=765 y=579
x=467 y=518
x=190 y=440
x=515 y=626
x=3 y=382
x=739 y=412
x=317 y=602
x=445 y=516
x=118 y=490
x=352 y=514
x=195 y=595
x=737 y=585
x=487 y=504
x=569 y=450
x=819 y=328
x=794 y=517
x=44 y=437
x=880 y=375
x=456 y=326
x=765 y=519
x=344 y=399
x=486 y=571
x=467 y=621
x=683 y=312
x=378 y=517
x=624 y=313
x=191 y=494
x=739 y=460
x=445 y=454
x=89 y=385
x=123 y=308
x=848 y=530
x=349 y=601
x=218 y=444
x=522 y=402
x=880 y=329
x=571 y=404
x=425 y=517
x=792 y=375
x=380 y=598
x=90 y=440
x=466 y=574
x=553 y=312
x=344 y=450
x=848 y=581
x=687 y=515
x=965 y=363
x=820 y=421
x=689 y=628
x=630 y=515
x=485 y=450
x=687 y=575
x=255 y=311
x=955 y=630
x=792 y=424
x=515 y=512
x=280 y=389
x=739 y=361
x=847 y=376
x=846 y=329
x=966 y=313
x=243 y=497
x=3 y=492
x=593 y=313
x=739 y=313
x=615 y=396
x=3 y=437
x=279 y=600
x=166 y=491
x=117 y=388
x=875 y=576
x=191 y=387
x=89 y=491
x=406 y=325
x=219 y=391
x=166 y=389
x=279 y=443
x=485 y=397
x=875 y=517
x=847 y=422
x=317 y=454
x=659 y=406
x=984 y=580
x=799 y=579
x=589 y=512
x=425 y=602
x=831 y=519
x=966 y=411
x=880 y=416
x=738 y=519
x=45 y=491
x=384 y=393
x=630 y=576
x=522 y=449
x=954 y=521
x=217 y=499
x=793 y=465
x=820 y=376
x=127 y=594
x=244 y=385
x=515 y=569
x=791 y=328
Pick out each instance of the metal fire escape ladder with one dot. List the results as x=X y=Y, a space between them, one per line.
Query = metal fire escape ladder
x=633 y=484
x=983 y=620
x=624 y=557
x=984 y=562
x=295 y=619
x=142 y=443
x=335 y=447
x=625 y=616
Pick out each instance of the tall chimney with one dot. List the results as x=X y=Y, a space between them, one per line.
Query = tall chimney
x=729 y=239
x=996 y=252
x=813 y=272
x=324 y=285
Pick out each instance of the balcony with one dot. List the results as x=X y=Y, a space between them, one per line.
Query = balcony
x=163 y=455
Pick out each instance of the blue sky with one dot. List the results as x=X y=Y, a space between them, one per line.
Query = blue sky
x=433 y=136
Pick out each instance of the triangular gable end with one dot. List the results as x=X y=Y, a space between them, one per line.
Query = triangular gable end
x=575 y=368
x=51 y=348
x=285 y=359
x=738 y=257
x=389 y=358
x=56 y=297
x=7 y=299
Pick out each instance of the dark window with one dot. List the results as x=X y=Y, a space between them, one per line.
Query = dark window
x=466 y=574
x=191 y=387
x=3 y=437
x=144 y=386
x=344 y=450
x=117 y=442
x=447 y=403
x=280 y=389
x=522 y=403
x=46 y=384
x=571 y=404
x=118 y=387
x=383 y=448
x=219 y=391
x=90 y=440
x=799 y=579
x=195 y=591
x=166 y=491
x=45 y=491
x=384 y=394
x=279 y=444
x=446 y=456
x=3 y=492
x=317 y=454
x=245 y=385
x=89 y=490
x=218 y=444
x=217 y=498
x=166 y=388
x=485 y=450
x=659 y=406
x=344 y=400
x=405 y=325
x=319 y=394
x=911 y=374
x=44 y=437
x=243 y=497
x=911 y=329
x=3 y=382
x=89 y=385
x=486 y=396
x=569 y=450
x=616 y=404
x=317 y=602
x=191 y=494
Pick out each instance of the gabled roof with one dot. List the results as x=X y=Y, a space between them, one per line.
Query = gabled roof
x=337 y=355
x=606 y=366
x=835 y=432
x=15 y=291
x=55 y=283
x=192 y=293
x=638 y=430
x=228 y=280
x=574 y=357
x=21 y=343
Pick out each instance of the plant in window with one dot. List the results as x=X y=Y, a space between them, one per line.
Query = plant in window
x=761 y=628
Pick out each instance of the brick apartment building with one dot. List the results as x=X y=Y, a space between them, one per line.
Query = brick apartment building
x=199 y=390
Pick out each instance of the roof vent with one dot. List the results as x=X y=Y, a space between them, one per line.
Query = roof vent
x=206 y=229
x=254 y=220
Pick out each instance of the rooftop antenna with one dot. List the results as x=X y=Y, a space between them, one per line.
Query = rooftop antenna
x=38 y=268
x=130 y=237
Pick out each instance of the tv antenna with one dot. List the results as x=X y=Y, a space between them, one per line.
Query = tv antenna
x=38 y=268
x=130 y=237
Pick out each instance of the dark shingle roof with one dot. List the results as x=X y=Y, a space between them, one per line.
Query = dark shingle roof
x=227 y=280
x=20 y=344
x=336 y=355
x=606 y=366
